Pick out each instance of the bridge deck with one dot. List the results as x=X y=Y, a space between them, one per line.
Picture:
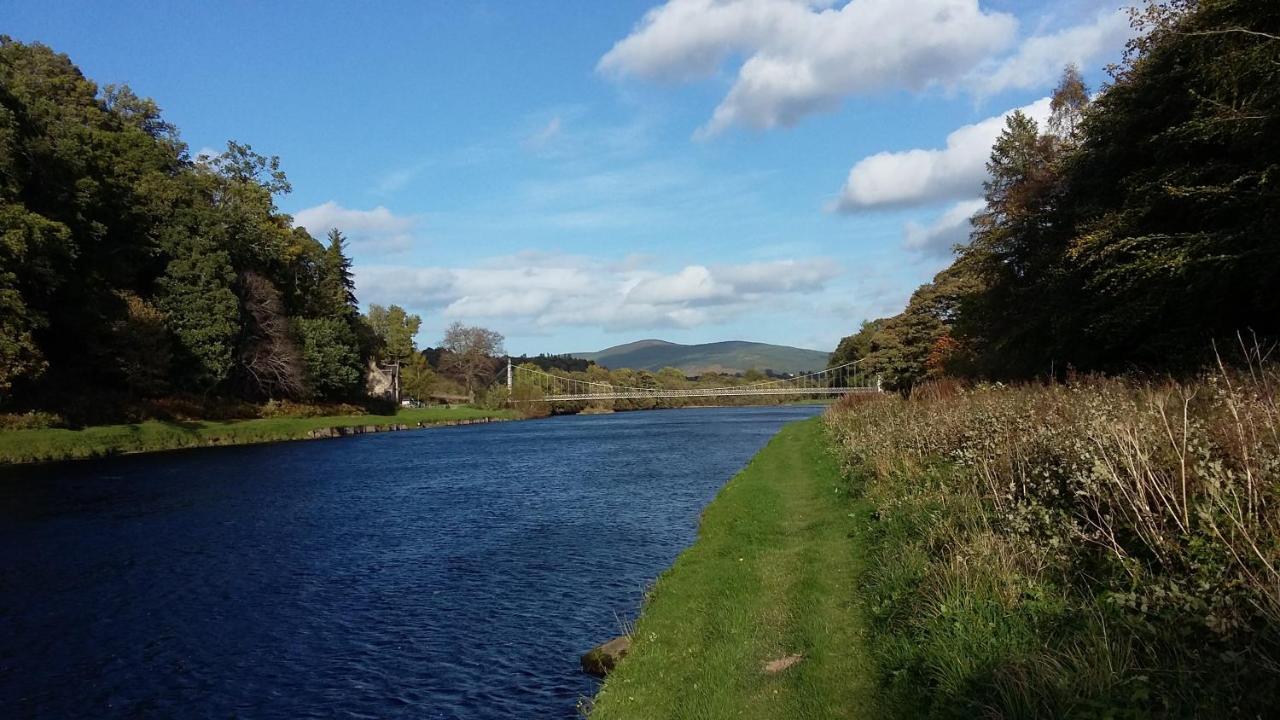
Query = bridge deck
x=709 y=392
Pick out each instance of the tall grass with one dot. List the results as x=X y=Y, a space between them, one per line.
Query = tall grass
x=1099 y=548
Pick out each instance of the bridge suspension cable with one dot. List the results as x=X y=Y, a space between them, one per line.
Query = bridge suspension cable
x=840 y=380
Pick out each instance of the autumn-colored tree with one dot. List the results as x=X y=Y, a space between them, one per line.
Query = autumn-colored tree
x=1068 y=104
x=145 y=352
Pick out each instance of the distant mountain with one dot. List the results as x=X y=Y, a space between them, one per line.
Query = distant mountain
x=734 y=356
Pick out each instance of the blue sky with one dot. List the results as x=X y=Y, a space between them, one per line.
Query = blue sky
x=581 y=174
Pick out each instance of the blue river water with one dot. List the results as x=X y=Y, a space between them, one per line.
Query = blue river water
x=445 y=573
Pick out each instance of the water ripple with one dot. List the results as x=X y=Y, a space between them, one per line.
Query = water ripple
x=450 y=573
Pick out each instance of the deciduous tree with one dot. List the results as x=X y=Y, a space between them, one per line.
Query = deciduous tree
x=269 y=362
x=395 y=331
x=470 y=354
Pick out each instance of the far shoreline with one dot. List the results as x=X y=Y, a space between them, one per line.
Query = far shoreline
x=54 y=445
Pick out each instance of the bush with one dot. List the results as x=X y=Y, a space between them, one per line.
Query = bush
x=193 y=407
x=1098 y=547
x=34 y=420
x=291 y=409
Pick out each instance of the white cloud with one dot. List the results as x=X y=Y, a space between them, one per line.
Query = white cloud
x=950 y=229
x=544 y=291
x=803 y=57
x=544 y=135
x=1039 y=61
x=692 y=284
x=376 y=230
x=779 y=276
x=920 y=176
x=205 y=154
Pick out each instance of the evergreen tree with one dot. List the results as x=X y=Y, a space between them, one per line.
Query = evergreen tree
x=1014 y=254
x=337 y=287
x=331 y=357
x=203 y=313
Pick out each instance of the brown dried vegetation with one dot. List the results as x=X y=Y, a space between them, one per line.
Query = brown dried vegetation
x=1107 y=544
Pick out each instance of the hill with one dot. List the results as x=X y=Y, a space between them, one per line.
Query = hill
x=729 y=357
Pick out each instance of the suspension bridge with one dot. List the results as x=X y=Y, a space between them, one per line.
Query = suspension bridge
x=844 y=379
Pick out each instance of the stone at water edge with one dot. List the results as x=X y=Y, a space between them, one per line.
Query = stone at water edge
x=602 y=659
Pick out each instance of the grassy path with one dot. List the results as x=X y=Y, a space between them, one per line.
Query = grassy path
x=22 y=446
x=772 y=574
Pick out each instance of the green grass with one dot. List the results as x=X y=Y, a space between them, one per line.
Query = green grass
x=24 y=446
x=773 y=573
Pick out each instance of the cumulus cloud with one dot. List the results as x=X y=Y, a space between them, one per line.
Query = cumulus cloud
x=925 y=176
x=693 y=284
x=1039 y=61
x=778 y=276
x=545 y=291
x=802 y=57
x=948 y=230
x=376 y=230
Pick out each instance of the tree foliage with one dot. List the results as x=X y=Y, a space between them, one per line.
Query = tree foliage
x=394 y=331
x=417 y=378
x=1132 y=232
x=331 y=357
x=196 y=295
x=128 y=268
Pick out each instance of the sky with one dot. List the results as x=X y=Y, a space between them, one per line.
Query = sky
x=581 y=174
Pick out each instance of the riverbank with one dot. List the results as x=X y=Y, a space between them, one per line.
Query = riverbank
x=28 y=446
x=1101 y=548
x=768 y=584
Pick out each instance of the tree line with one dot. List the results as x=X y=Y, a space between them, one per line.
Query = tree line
x=1134 y=232
x=130 y=270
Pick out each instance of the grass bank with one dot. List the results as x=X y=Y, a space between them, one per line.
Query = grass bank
x=772 y=576
x=24 y=446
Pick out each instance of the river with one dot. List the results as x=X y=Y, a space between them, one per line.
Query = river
x=446 y=573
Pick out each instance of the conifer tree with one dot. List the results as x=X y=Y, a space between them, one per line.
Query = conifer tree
x=202 y=311
x=337 y=286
